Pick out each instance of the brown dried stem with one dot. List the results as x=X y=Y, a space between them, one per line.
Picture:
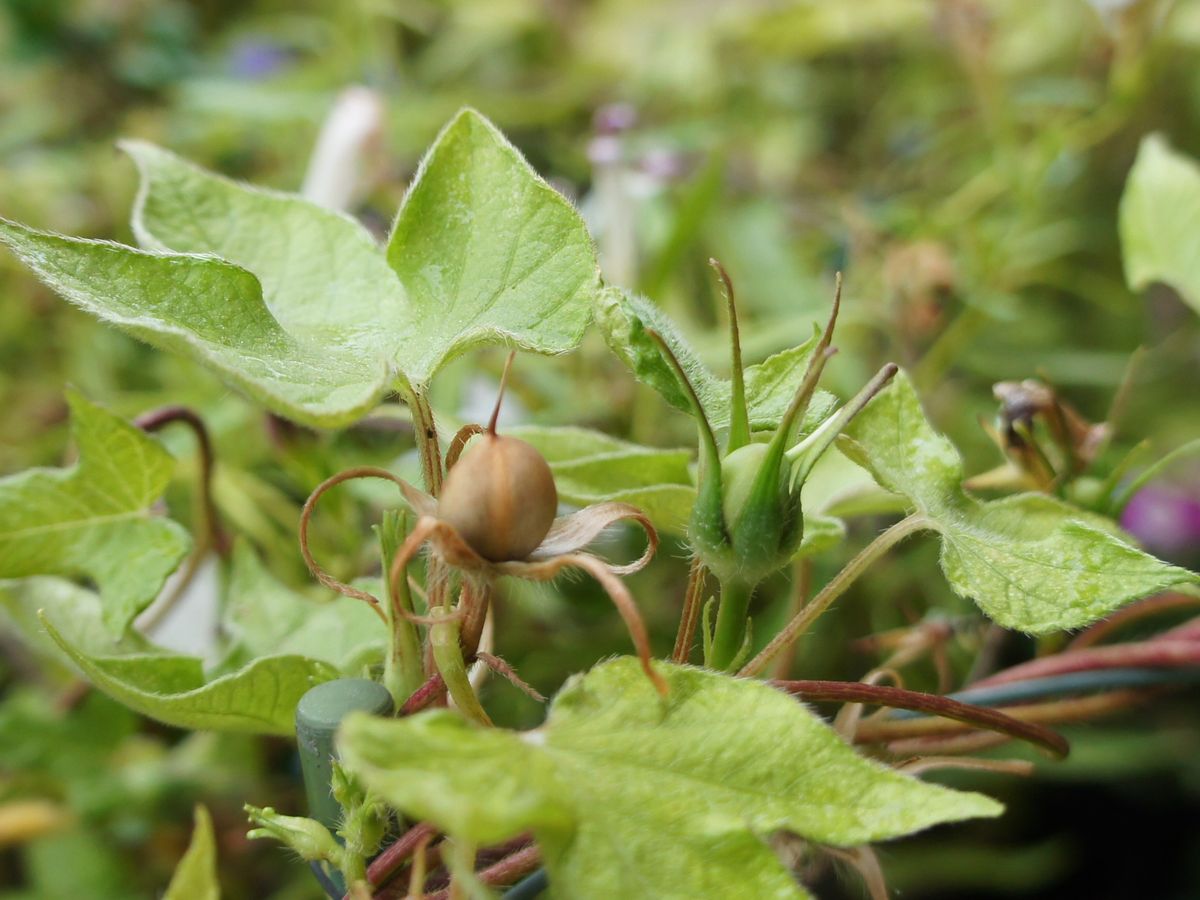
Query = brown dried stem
x=459 y=443
x=623 y=601
x=500 y=667
x=692 y=601
x=306 y=516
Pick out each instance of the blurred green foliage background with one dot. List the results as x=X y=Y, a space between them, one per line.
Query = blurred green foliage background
x=960 y=160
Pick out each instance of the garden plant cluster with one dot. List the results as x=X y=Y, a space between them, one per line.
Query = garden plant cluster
x=320 y=543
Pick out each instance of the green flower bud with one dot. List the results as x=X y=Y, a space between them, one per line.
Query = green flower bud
x=308 y=838
x=747 y=521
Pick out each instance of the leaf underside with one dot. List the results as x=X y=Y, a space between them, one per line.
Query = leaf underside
x=299 y=307
x=259 y=698
x=632 y=796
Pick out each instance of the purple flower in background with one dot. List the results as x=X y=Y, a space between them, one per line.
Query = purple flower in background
x=1166 y=519
x=257 y=58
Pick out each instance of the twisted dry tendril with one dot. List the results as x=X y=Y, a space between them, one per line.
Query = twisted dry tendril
x=563 y=546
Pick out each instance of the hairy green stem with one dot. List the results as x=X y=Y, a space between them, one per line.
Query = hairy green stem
x=403 y=672
x=429 y=449
x=834 y=589
x=448 y=656
x=730 y=631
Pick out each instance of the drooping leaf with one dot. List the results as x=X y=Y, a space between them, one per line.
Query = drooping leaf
x=299 y=308
x=211 y=311
x=630 y=795
x=323 y=276
x=195 y=877
x=488 y=252
x=1160 y=220
x=92 y=520
x=1031 y=562
x=267 y=618
x=260 y=698
x=76 y=609
x=590 y=467
x=625 y=319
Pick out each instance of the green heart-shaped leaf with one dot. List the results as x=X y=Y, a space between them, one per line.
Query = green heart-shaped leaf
x=93 y=520
x=1031 y=562
x=300 y=308
x=630 y=795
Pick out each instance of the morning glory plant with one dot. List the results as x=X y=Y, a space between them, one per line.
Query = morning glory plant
x=643 y=776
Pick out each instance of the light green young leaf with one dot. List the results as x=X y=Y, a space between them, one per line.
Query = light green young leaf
x=625 y=319
x=632 y=796
x=1030 y=562
x=260 y=698
x=298 y=306
x=323 y=276
x=1160 y=220
x=195 y=877
x=211 y=311
x=92 y=520
x=771 y=385
x=591 y=467
x=267 y=618
x=821 y=533
x=489 y=252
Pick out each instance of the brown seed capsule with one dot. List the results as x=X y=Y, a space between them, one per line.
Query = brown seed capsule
x=500 y=496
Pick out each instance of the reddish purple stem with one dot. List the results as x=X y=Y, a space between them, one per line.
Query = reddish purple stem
x=899 y=698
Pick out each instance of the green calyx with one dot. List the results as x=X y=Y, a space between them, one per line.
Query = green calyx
x=747 y=521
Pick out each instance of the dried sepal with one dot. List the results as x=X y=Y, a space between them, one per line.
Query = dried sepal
x=306 y=516
x=573 y=532
x=546 y=570
x=459 y=443
x=501 y=667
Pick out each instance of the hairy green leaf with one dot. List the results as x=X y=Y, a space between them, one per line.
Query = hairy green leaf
x=1160 y=220
x=297 y=305
x=92 y=520
x=195 y=876
x=1031 y=562
x=260 y=698
x=211 y=311
x=630 y=795
x=489 y=252
x=626 y=318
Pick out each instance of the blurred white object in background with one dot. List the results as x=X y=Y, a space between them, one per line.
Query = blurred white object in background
x=348 y=150
x=187 y=619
